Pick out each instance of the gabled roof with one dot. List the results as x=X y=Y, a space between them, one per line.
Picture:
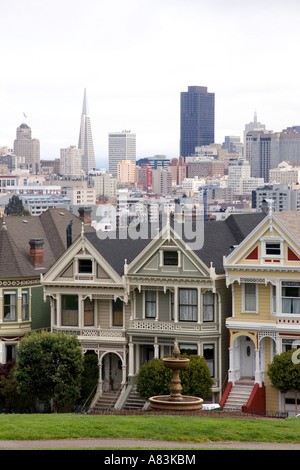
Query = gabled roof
x=219 y=239
x=12 y=263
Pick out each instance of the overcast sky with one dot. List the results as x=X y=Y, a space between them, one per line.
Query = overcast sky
x=134 y=58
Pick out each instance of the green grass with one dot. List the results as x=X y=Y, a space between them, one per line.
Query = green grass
x=170 y=428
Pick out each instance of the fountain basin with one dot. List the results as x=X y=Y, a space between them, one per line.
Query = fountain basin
x=166 y=402
x=175 y=363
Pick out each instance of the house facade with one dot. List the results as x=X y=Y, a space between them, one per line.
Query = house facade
x=29 y=245
x=128 y=300
x=263 y=275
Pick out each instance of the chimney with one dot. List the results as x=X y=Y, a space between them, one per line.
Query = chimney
x=85 y=215
x=37 y=250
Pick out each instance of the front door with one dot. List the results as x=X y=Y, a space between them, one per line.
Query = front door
x=247 y=352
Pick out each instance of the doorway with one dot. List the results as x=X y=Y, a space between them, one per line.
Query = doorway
x=247 y=358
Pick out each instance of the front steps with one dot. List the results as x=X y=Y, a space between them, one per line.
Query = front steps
x=109 y=401
x=238 y=396
x=105 y=402
x=134 y=401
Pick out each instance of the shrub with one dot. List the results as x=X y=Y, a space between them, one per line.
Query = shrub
x=155 y=379
x=283 y=373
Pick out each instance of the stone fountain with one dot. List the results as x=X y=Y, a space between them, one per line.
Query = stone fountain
x=175 y=401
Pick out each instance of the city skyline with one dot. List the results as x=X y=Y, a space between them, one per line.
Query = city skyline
x=135 y=59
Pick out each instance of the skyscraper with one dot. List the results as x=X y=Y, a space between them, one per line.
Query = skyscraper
x=197 y=119
x=121 y=146
x=25 y=146
x=85 y=143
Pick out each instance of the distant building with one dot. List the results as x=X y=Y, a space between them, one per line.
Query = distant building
x=71 y=161
x=49 y=167
x=157 y=161
x=126 y=172
x=105 y=186
x=285 y=173
x=144 y=176
x=267 y=149
x=197 y=119
x=281 y=197
x=205 y=167
x=121 y=146
x=161 y=181
x=28 y=148
x=85 y=143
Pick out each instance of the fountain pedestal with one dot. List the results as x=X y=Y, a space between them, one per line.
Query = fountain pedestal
x=176 y=401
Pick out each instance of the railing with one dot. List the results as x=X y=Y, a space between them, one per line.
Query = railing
x=155 y=325
x=90 y=332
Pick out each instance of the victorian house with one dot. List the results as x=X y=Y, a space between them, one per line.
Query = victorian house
x=129 y=298
x=29 y=245
x=263 y=275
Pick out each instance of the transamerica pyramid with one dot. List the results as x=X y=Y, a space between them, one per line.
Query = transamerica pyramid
x=85 y=143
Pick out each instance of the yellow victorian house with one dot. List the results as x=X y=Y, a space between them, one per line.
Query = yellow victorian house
x=263 y=274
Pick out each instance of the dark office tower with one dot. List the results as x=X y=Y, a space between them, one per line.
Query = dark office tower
x=197 y=119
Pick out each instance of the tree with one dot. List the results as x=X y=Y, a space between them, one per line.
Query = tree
x=15 y=207
x=90 y=377
x=284 y=373
x=154 y=378
x=196 y=379
x=49 y=367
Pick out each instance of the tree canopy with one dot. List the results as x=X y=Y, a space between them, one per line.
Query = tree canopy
x=15 y=206
x=284 y=372
x=49 y=367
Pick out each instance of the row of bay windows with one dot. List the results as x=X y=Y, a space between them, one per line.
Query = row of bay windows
x=188 y=301
x=285 y=298
x=185 y=309
x=12 y=310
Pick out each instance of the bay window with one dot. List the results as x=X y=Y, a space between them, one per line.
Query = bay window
x=69 y=311
x=150 y=303
x=208 y=306
x=10 y=306
x=188 y=305
x=290 y=294
x=250 y=297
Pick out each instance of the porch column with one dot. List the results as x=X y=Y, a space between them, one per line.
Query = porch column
x=231 y=373
x=156 y=349
x=130 y=358
x=257 y=368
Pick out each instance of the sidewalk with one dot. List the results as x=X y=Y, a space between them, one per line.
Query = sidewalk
x=119 y=444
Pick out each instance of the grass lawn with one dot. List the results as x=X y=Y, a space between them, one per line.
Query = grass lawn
x=170 y=428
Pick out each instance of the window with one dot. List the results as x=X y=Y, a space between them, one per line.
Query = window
x=150 y=303
x=250 y=296
x=208 y=306
x=209 y=356
x=85 y=266
x=69 y=310
x=273 y=249
x=10 y=306
x=188 y=304
x=290 y=297
x=117 y=311
x=25 y=305
x=88 y=312
x=170 y=258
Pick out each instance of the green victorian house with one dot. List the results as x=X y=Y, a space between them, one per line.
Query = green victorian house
x=29 y=246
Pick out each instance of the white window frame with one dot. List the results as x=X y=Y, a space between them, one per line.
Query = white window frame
x=244 y=298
